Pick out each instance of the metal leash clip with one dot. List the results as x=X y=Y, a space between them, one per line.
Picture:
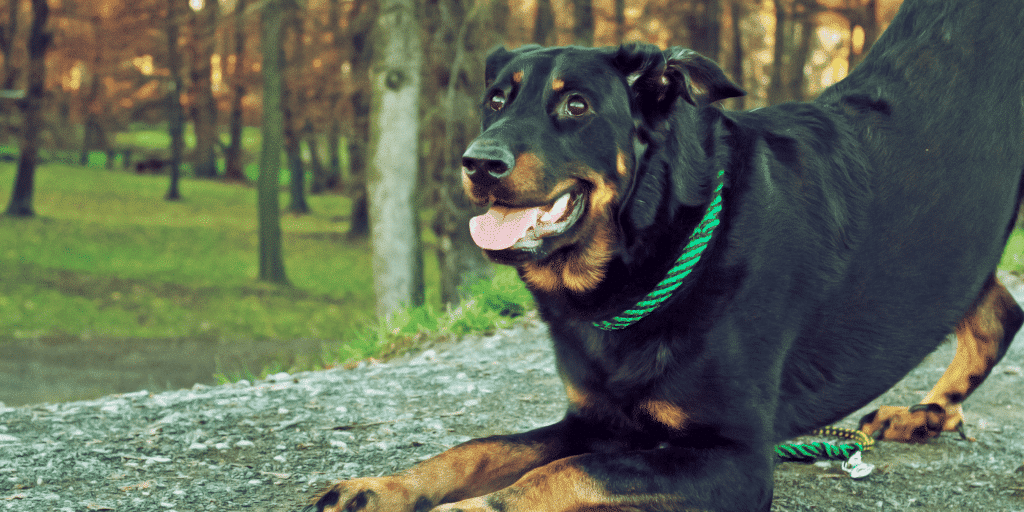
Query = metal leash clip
x=856 y=467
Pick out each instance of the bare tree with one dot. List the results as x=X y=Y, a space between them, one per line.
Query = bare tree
x=271 y=254
x=38 y=41
x=233 y=153
x=175 y=117
x=461 y=34
x=203 y=107
x=394 y=158
x=292 y=103
x=544 y=26
x=583 y=18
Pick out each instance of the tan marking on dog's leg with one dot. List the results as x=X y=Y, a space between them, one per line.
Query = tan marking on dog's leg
x=980 y=338
x=666 y=413
x=471 y=469
x=562 y=487
x=577 y=398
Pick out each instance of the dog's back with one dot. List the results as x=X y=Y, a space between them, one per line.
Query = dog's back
x=938 y=108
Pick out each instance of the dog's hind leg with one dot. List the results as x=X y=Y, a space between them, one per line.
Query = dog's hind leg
x=982 y=338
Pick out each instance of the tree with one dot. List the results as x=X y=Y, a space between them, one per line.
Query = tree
x=292 y=102
x=394 y=158
x=175 y=117
x=38 y=41
x=583 y=15
x=362 y=15
x=203 y=107
x=8 y=71
x=233 y=153
x=460 y=38
x=271 y=254
x=544 y=26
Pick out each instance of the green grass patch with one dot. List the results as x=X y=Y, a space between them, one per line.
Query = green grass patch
x=1013 y=255
x=107 y=256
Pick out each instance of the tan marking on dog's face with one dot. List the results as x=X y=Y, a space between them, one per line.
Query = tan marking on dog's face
x=587 y=270
x=557 y=84
x=527 y=175
x=620 y=165
x=666 y=413
x=540 y=277
x=517 y=77
x=584 y=268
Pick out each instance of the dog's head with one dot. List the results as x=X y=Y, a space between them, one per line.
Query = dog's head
x=561 y=158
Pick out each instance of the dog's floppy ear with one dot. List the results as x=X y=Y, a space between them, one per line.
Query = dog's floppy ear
x=499 y=57
x=658 y=78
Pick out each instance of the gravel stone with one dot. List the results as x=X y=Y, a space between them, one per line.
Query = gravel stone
x=270 y=444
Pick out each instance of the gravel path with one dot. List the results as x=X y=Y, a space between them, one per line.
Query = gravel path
x=268 y=445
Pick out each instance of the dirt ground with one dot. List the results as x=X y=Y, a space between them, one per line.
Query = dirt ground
x=270 y=445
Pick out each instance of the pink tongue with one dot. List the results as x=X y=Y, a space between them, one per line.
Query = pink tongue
x=500 y=228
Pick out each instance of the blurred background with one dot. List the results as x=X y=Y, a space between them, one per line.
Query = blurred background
x=205 y=190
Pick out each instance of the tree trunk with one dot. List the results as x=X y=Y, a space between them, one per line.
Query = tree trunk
x=544 y=26
x=175 y=117
x=797 y=77
x=583 y=29
x=456 y=123
x=292 y=108
x=271 y=254
x=204 y=108
x=777 y=87
x=38 y=41
x=866 y=18
x=360 y=23
x=620 y=21
x=233 y=155
x=321 y=178
x=737 y=14
x=332 y=177
x=394 y=165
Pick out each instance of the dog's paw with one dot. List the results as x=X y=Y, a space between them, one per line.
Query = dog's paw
x=386 y=494
x=914 y=424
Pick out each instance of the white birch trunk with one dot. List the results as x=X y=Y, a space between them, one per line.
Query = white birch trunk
x=394 y=158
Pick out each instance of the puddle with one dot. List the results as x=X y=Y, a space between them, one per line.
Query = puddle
x=61 y=369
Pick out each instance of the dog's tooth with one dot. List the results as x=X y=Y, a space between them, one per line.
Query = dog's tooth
x=558 y=209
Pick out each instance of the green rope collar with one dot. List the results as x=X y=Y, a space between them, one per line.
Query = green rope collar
x=696 y=245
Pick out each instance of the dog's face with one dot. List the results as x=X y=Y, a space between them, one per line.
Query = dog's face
x=563 y=132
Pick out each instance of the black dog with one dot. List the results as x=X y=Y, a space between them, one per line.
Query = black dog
x=716 y=282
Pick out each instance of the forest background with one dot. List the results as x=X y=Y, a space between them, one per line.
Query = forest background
x=160 y=136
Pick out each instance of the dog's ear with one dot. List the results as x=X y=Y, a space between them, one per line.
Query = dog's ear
x=499 y=57
x=658 y=78
x=657 y=81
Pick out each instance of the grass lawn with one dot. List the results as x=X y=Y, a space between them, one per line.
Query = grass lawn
x=107 y=257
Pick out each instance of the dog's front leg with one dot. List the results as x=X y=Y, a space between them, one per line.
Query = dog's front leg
x=470 y=469
x=664 y=479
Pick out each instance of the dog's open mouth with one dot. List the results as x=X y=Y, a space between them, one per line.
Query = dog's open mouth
x=503 y=228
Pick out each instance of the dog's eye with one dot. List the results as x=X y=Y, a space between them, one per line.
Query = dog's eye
x=497 y=101
x=576 y=106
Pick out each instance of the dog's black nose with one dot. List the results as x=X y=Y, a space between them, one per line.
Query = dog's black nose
x=486 y=162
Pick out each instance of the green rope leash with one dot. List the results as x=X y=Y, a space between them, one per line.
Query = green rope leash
x=849 y=452
x=695 y=246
